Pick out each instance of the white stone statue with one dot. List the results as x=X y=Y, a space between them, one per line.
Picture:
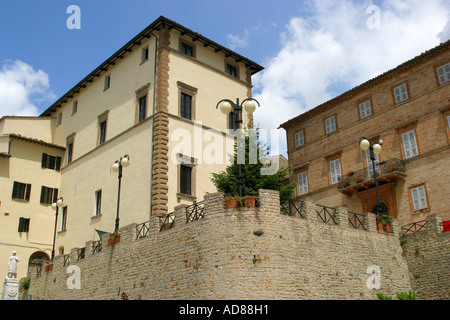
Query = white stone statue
x=12 y=266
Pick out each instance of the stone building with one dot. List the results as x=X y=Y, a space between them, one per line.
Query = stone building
x=153 y=100
x=408 y=109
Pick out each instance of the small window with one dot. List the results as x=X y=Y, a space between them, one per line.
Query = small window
x=69 y=151
x=102 y=132
x=335 y=171
x=186 y=106
x=187 y=49
x=51 y=162
x=142 y=108
x=75 y=107
x=444 y=73
x=98 y=202
x=410 y=144
x=401 y=93
x=365 y=109
x=63 y=222
x=185 y=180
x=299 y=139
x=48 y=195
x=419 y=198
x=21 y=191
x=231 y=70
x=59 y=119
x=24 y=224
x=144 y=55
x=330 y=125
x=107 y=82
x=302 y=179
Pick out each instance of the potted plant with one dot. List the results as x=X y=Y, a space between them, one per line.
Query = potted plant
x=359 y=179
x=384 y=222
x=250 y=201
x=113 y=239
x=231 y=202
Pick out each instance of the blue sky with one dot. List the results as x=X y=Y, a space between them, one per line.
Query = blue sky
x=311 y=50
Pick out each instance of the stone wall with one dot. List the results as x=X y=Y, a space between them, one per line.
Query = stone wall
x=428 y=254
x=243 y=253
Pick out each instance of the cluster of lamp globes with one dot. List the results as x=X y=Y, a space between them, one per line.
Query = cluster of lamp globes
x=248 y=104
x=365 y=144
x=124 y=162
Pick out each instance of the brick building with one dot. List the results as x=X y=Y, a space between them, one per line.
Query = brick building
x=408 y=109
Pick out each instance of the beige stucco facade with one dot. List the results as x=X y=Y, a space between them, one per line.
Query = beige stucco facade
x=98 y=121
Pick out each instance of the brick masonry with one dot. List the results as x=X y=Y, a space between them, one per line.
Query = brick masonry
x=244 y=253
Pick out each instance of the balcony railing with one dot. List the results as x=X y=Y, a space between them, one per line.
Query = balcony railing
x=292 y=207
x=385 y=170
x=195 y=211
x=166 y=222
x=326 y=214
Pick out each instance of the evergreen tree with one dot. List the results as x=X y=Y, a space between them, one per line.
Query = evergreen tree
x=226 y=181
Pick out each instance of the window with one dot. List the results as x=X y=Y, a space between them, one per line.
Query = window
x=187 y=49
x=186 y=106
x=370 y=165
x=299 y=139
x=51 y=162
x=142 y=108
x=69 y=151
x=98 y=202
x=231 y=70
x=63 y=222
x=444 y=73
x=410 y=144
x=185 y=180
x=107 y=82
x=302 y=179
x=401 y=93
x=48 y=195
x=335 y=171
x=21 y=191
x=330 y=125
x=365 y=109
x=144 y=55
x=419 y=199
x=24 y=224
x=102 y=123
x=59 y=119
x=75 y=107
x=102 y=132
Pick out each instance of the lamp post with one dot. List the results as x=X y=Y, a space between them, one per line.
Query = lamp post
x=117 y=167
x=374 y=148
x=227 y=106
x=55 y=205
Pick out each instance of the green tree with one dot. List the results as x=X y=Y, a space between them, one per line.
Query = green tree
x=226 y=181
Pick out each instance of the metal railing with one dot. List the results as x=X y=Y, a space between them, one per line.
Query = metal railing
x=383 y=168
x=445 y=226
x=142 y=230
x=66 y=259
x=357 y=220
x=166 y=222
x=97 y=246
x=326 y=214
x=81 y=253
x=292 y=207
x=195 y=211
x=415 y=227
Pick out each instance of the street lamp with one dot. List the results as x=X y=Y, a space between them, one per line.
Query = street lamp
x=226 y=106
x=55 y=205
x=117 y=167
x=374 y=148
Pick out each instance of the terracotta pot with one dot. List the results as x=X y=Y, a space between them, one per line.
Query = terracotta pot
x=380 y=226
x=231 y=203
x=250 y=202
x=114 y=241
x=388 y=227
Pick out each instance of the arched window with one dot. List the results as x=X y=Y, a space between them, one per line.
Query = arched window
x=36 y=261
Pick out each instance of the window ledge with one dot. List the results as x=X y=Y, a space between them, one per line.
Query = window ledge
x=185 y=197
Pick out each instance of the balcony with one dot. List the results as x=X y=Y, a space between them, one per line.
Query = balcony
x=386 y=171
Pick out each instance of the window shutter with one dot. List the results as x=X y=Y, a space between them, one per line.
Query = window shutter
x=44 y=160
x=43 y=192
x=58 y=164
x=24 y=224
x=55 y=195
x=27 y=192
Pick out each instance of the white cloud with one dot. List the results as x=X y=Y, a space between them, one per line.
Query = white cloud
x=332 y=50
x=235 y=41
x=21 y=87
